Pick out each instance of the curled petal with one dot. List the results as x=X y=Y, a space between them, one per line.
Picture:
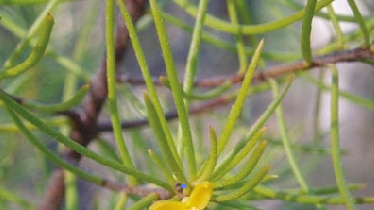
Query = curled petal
x=200 y=196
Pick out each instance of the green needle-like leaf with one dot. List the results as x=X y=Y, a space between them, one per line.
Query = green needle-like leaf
x=312 y=199
x=147 y=77
x=361 y=22
x=6 y=195
x=42 y=126
x=144 y=203
x=112 y=95
x=286 y=141
x=306 y=47
x=212 y=159
x=36 y=53
x=193 y=52
x=160 y=136
x=176 y=88
x=270 y=109
x=239 y=102
x=241 y=150
x=335 y=148
x=51 y=155
x=121 y=202
x=162 y=166
x=66 y=105
x=221 y=25
x=247 y=169
x=247 y=187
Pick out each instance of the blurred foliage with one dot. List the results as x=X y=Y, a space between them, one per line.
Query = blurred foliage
x=230 y=154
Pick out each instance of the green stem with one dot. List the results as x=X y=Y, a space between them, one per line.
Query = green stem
x=269 y=193
x=240 y=46
x=121 y=202
x=286 y=141
x=112 y=96
x=193 y=52
x=335 y=153
x=222 y=25
x=338 y=30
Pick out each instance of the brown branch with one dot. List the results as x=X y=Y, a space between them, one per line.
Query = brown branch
x=351 y=55
x=107 y=126
x=84 y=121
x=344 y=56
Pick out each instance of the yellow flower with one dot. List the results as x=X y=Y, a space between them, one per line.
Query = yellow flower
x=198 y=200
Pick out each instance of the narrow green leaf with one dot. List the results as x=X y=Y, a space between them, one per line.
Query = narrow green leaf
x=36 y=26
x=221 y=25
x=286 y=141
x=287 y=144
x=247 y=187
x=51 y=155
x=5 y=194
x=42 y=126
x=154 y=122
x=306 y=48
x=335 y=148
x=248 y=168
x=210 y=94
x=36 y=53
x=147 y=77
x=176 y=88
x=243 y=63
x=112 y=95
x=66 y=105
x=361 y=22
x=106 y=149
x=144 y=203
x=239 y=102
x=338 y=30
x=270 y=109
x=326 y=190
x=313 y=199
x=241 y=150
x=121 y=202
x=216 y=41
x=71 y=191
x=212 y=158
x=162 y=166
x=193 y=52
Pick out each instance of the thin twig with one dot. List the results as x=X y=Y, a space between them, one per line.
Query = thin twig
x=344 y=56
x=107 y=126
x=139 y=190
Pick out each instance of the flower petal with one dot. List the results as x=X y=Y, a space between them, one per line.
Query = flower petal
x=200 y=196
x=168 y=205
